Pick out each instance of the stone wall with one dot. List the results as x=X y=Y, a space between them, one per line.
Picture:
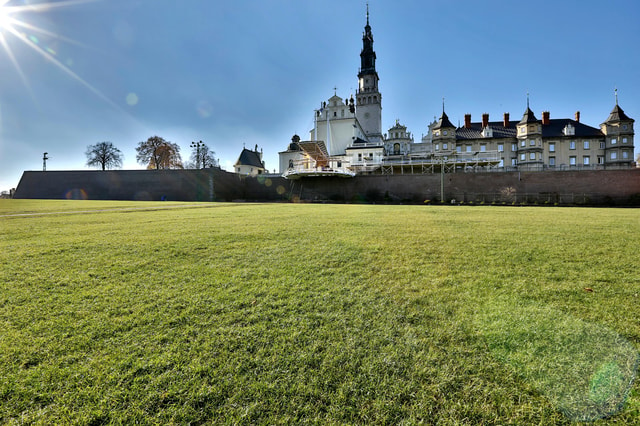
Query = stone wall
x=620 y=187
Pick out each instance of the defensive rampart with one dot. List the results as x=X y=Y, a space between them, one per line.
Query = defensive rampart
x=619 y=187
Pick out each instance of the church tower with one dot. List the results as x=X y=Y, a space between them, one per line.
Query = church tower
x=369 y=99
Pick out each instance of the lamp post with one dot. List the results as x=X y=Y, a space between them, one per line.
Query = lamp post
x=44 y=161
x=197 y=146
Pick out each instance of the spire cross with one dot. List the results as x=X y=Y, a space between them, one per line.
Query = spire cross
x=335 y=91
x=527 y=100
x=367 y=13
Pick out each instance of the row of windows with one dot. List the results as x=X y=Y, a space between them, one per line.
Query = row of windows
x=586 y=159
x=532 y=142
x=367 y=100
x=615 y=140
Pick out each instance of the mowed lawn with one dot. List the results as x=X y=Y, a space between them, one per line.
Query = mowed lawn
x=177 y=313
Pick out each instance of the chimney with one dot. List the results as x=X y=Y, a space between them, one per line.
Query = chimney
x=506 y=120
x=485 y=120
x=578 y=116
x=467 y=121
x=545 y=118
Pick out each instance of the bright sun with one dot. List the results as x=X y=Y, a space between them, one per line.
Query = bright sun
x=14 y=25
x=5 y=16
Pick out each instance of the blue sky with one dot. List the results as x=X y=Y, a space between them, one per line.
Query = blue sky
x=234 y=72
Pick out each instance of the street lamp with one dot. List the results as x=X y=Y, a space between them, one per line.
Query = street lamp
x=44 y=161
x=197 y=146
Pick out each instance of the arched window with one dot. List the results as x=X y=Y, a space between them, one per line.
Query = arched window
x=396 y=148
x=291 y=164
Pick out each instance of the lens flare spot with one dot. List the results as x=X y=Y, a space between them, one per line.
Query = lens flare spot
x=51 y=51
x=204 y=109
x=76 y=194
x=606 y=383
x=268 y=183
x=34 y=39
x=132 y=99
x=280 y=190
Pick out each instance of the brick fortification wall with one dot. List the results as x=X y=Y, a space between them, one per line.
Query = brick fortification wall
x=148 y=185
x=579 y=187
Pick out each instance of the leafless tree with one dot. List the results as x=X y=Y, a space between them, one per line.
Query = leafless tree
x=103 y=154
x=201 y=156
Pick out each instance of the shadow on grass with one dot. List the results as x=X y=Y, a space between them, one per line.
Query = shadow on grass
x=585 y=370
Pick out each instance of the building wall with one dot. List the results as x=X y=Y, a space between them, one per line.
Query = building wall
x=589 y=187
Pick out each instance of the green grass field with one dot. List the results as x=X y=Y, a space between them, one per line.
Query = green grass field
x=176 y=313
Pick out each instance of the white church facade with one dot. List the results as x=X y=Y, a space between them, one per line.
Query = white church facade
x=347 y=139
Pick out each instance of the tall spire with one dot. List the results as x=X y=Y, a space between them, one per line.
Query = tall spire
x=616 y=93
x=368 y=55
x=367 y=14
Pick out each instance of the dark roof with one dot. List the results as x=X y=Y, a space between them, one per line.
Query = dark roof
x=553 y=129
x=617 y=115
x=499 y=131
x=443 y=122
x=528 y=117
x=556 y=126
x=359 y=141
x=249 y=158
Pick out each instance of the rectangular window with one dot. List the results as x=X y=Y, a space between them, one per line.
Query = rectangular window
x=552 y=147
x=501 y=163
x=459 y=148
x=600 y=159
x=523 y=157
x=552 y=161
x=585 y=144
x=572 y=161
x=483 y=148
x=532 y=156
x=437 y=147
x=572 y=145
x=523 y=143
x=500 y=147
x=614 y=141
x=444 y=146
x=514 y=147
x=514 y=162
x=625 y=154
x=614 y=155
x=602 y=146
x=468 y=147
x=586 y=160
x=532 y=142
x=625 y=140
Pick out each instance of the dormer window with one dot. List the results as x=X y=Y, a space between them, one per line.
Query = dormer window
x=569 y=130
x=487 y=132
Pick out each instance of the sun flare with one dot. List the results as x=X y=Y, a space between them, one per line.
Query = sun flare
x=5 y=15
x=14 y=24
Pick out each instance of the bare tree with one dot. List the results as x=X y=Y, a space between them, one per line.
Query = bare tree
x=157 y=153
x=103 y=154
x=201 y=156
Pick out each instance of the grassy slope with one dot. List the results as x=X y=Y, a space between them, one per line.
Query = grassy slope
x=315 y=313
